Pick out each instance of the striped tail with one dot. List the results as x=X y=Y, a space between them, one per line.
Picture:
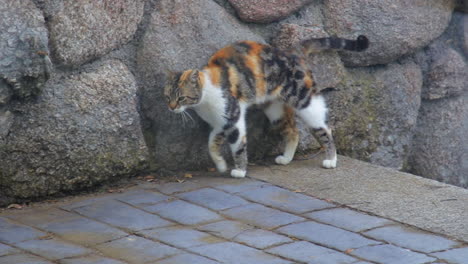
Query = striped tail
x=317 y=45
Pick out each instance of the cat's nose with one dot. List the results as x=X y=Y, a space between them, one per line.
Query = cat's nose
x=172 y=106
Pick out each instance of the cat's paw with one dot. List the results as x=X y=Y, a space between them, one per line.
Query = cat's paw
x=221 y=166
x=282 y=160
x=329 y=164
x=237 y=173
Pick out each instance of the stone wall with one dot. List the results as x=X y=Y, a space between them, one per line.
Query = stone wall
x=81 y=84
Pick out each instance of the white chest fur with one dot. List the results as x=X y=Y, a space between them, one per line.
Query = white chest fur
x=212 y=105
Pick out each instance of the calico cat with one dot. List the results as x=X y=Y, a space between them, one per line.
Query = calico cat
x=247 y=73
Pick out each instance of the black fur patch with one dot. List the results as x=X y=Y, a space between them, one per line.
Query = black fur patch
x=232 y=138
x=299 y=75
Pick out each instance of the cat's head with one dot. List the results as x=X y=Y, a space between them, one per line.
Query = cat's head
x=183 y=90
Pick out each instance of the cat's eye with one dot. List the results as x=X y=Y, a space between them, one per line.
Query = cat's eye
x=182 y=98
x=168 y=99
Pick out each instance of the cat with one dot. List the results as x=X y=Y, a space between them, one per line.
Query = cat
x=249 y=73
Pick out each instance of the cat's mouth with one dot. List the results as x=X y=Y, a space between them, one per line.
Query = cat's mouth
x=178 y=110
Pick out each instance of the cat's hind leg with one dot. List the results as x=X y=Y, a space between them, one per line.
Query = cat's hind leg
x=315 y=117
x=215 y=142
x=282 y=116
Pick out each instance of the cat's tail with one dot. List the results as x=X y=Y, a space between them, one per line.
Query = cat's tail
x=317 y=45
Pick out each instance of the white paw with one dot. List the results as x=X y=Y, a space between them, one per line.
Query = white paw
x=221 y=166
x=329 y=164
x=236 y=173
x=282 y=160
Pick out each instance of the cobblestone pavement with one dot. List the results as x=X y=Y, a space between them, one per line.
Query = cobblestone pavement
x=214 y=220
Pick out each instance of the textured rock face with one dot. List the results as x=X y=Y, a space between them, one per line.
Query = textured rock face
x=264 y=11
x=180 y=37
x=440 y=148
x=394 y=28
x=83 y=129
x=24 y=64
x=374 y=112
x=447 y=75
x=83 y=30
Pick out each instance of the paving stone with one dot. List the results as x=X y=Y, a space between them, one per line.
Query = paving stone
x=122 y=215
x=262 y=216
x=390 y=254
x=13 y=233
x=176 y=187
x=83 y=231
x=53 y=248
x=41 y=217
x=310 y=253
x=187 y=259
x=227 y=229
x=137 y=250
x=327 y=235
x=241 y=185
x=260 y=238
x=411 y=238
x=455 y=256
x=7 y=250
x=213 y=199
x=23 y=259
x=284 y=199
x=142 y=198
x=234 y=253
x=181 y=237
x=183 y=212
x=88 y=201
x=348 y=219
x=92 y=259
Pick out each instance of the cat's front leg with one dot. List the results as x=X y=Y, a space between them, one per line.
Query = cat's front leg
x=216 y=140
x=237 y=139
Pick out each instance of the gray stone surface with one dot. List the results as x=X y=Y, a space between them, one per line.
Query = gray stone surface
x=83 y=231
x=310 y=253
x=234 y=253
x=23 y=259
x=183 y=212
x=53 y=249
x=259 y=238
x=92 y=259
x=285 y=200
x=216 y=240
x=181 y=237
x=24 y=62
x=348 y=219
x=122 y=215
x=7 y=250
x=142 y=198
x=243 y=185
x=263 y=11
x=179 y=36
x=380 y=106
x=102 y=27
x=262 y=216
x=411 y=238
x=385 y=192
x=327 y=235
x=213 y=199
x=226 y=229
x=187 y=258
x=394 y=28
x=135 y=249
x=83 y=129
x=13 y=233
x=391 y=255
x=439 y=149
x=458 y=255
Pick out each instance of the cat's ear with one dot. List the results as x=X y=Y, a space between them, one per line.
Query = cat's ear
x=194 y=76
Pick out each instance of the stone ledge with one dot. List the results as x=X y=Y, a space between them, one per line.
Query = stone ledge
x=403 y=197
